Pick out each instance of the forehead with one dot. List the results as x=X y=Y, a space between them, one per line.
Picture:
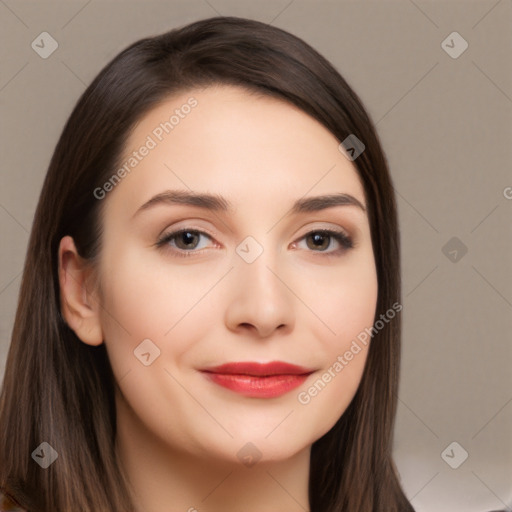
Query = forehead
x=246 y=146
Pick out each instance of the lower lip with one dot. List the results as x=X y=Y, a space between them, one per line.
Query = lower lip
x=258 y=387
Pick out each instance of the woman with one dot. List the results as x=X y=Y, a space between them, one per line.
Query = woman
x=209 y=311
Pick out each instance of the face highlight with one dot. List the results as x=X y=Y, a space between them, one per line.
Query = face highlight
x=241 y=236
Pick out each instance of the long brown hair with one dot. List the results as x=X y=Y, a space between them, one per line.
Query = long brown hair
x=59 y=390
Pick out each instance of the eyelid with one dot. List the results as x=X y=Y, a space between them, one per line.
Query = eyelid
x=323 y=227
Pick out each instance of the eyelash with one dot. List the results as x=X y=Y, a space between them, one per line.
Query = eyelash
x=345 y=241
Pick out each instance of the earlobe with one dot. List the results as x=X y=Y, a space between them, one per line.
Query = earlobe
x=79 y=307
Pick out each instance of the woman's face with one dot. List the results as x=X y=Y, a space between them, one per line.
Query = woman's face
x=249 y=279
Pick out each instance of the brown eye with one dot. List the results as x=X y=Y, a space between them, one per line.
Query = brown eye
x=320 y=240
x=186 y=239
x=183 y=242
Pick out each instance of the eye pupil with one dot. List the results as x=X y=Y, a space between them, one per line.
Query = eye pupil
x=187 y=237
x=319 y=240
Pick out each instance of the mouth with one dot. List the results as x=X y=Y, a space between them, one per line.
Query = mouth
x=258 y=380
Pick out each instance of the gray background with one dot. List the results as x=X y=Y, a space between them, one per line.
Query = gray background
x=445 y=124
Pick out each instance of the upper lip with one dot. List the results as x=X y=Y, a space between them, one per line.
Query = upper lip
x=259 y=369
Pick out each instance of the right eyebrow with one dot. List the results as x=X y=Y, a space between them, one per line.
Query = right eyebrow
x=211 y=202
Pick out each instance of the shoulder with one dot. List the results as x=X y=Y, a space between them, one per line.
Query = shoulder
x=7 y=504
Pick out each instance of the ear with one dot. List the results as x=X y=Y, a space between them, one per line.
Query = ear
x=79 y=306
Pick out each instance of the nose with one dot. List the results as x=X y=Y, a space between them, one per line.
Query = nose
x=260 y=300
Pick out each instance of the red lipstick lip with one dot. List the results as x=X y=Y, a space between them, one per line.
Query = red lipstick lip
x=259 y=369
x=258 y=380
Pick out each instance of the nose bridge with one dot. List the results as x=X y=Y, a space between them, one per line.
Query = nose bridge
x=256 y=268
x=259 y=296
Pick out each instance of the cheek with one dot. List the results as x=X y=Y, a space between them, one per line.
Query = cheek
x=343 y=298
x=328 y=394
x=348 y=310
x=148 y=298
x=350 y=314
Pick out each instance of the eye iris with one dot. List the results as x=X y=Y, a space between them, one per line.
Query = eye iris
x=318 y=237
x=187 y=237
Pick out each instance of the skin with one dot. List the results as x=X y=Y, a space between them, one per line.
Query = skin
x=178 y=433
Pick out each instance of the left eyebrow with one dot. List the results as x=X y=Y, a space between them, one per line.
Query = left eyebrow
x=214 y=202
x=318 y=203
